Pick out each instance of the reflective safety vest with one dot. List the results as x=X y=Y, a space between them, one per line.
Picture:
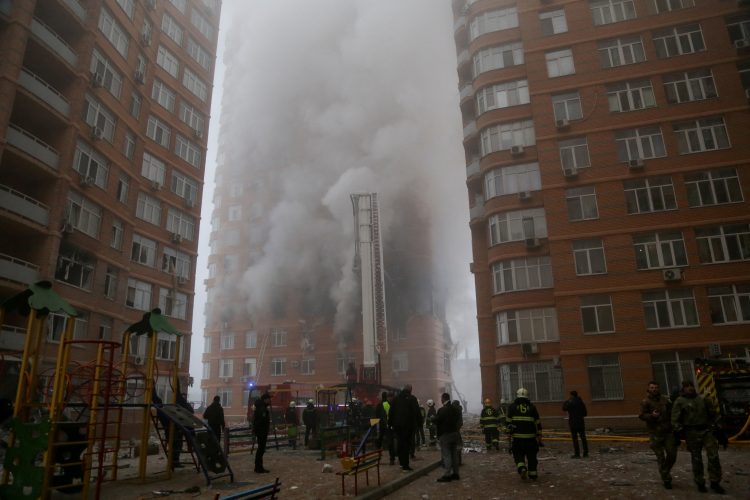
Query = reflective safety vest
x=488 y=418
x=523 y=419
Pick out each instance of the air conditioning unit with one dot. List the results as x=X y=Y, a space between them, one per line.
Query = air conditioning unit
x=532 y=243
x=189 y=202
x=674 y=274
x=146 y=39
x=714 y=349
x=570 y=172
x=562 y=124
x=516 y=150
x=556 y=361
x=86 y=181
x=155 y=185
x=471 y=267
x=198 y=134
x=97 y=79
x=295 y=364
x=529 y=348
x=742 y=43
x=176 y=237
x=96 y=133
x=226 y=379
x=139 y=76
x=138 y=360
x=524 y=195
x=635 y=164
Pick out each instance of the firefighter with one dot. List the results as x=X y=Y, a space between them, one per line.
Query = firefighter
x=292 y=424
x=697 y=417
x=431 y=413
x=525 y=428
x=488 y=421
x=656 y=411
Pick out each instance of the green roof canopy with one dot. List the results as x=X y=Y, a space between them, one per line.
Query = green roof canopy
x=39 y=297
x=153 y=322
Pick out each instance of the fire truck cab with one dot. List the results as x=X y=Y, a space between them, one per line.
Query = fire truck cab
x=727 y=384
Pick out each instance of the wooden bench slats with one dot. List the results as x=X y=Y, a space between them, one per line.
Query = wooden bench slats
x=362 y=463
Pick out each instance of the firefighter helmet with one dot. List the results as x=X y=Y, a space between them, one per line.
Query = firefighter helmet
x=487 y=402
x=522 y=393
x=292 y=404
x=430 y=402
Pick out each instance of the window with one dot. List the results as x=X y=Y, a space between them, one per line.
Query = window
x=171 y=28
x=654 y=194
x=667 y=6
x=203 y=26
x=178 y=222
x=589 y=257
x=400 y=361
x=250 y=367
x=176 y=263
x=671 y=308
x=123 y=183
x=251 y=339
x=105 y=328
x=184 y=187
x=110 y=283
x=517 y=226
x=630 y=96
x=143 y=250
x=729 y=304
x=527 y=273
x=494 y=20
x=56 y=324
x=542 y=379
x=192 y=117
x=498 y=57
x=227 y=341
x=713 y=187
x=113 y=32
x=560 y=63
x=506 y=135
x=128 y=145
x=206 y=370
x=199 y=54
x=574 y=153
x=75 y=268
x=167 y=61
x=527 y=325
x=621 y=51
x=728 y=243
x=604 y=377
x=739 y=28
x=158 y=131
x=148 y=209
x=99 y=117
x=278 y=337
x=225 y=394
x=512 y=179
x=128 y=6
x=659 y=250
x=226 y=368
x=581 y=203
x=553 y=22
x=596 y=314
x=689 y=86
x=307 y=366
x=679 y=40
x=207 y=344
x=188 y=151
x=163 y=95
x=502 y=95
x=135 y=105
x=165 y=346
x=670 y=368
x=567 y=106
x=342 y=362
x=611 y=11
x=138 y=295
x=278 y=366
x=640 y=143
x=83 y=214
x=195 y=85
x=117 y=233
x=153 y=168
x=105 y=74
x=704 y=134
x=90 y=165
x=180 y=5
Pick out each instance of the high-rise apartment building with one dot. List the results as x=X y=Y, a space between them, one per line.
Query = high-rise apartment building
x=104 y=109
x=607 y=166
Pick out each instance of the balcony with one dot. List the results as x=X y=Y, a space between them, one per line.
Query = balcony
x=54 y=41
x=25 y=206
x=477 y=211
x=470 y=129
x=32 y=145
x=466 y=91
x=18 y=270
x=459 y=23
x=44 y=91
x=463 y=57
x=12 y=338
x=472 y=168
x=77 y=9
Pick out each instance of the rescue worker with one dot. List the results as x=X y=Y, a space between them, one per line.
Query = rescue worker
x=488 y=423
x=292 y=424
x=419 y=435
x=656 y=411
x=576 y=409
x=431 y=412
x=261 y=426
x=310 y=419
x=526 y=430
x=697 y=417
x=382 y=413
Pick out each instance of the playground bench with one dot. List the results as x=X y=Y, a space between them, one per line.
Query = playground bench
x=266 y=491
x=361 y=463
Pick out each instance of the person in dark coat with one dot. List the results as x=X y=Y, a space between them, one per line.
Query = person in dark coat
x=446 y=423
x=310 y=419
x=385 y=435
x=261 y=426
x=576 y=414
x=292 y=424
x=214 y=414
x=404 y=419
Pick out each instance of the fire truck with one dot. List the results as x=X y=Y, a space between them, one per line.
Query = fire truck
x=726 y=382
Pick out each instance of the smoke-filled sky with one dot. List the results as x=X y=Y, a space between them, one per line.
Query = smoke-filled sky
x=318 y=99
